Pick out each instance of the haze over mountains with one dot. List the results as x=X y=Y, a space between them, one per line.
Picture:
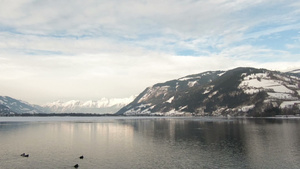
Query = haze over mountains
x=236 y=92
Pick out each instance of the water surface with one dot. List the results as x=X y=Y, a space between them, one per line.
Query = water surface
x=146 y=142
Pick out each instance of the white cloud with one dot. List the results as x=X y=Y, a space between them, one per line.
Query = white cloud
x=86 y=50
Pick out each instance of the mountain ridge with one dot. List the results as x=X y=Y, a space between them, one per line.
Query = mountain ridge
x=11 y=106
x=243 y=91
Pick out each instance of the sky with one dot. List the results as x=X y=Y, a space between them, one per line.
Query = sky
x=89 y=49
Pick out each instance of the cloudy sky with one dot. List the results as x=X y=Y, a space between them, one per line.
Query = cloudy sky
x=89 y=49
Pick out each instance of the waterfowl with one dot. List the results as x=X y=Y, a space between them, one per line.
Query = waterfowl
x=81 y=157
x=24 y=155
x=76 y=166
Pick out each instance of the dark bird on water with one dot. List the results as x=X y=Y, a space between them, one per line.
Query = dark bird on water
x=81 y=157
x=24 y=155
x=76 y=166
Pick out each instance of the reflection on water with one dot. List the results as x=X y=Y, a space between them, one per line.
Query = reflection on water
x=111 y=142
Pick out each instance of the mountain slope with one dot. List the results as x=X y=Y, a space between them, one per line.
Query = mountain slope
x=240 y=91
x=160 y=97
x=10 y=105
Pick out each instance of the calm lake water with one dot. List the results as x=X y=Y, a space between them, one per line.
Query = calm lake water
x=135 y=142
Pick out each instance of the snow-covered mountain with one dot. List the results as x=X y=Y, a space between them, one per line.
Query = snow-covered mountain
x=240 y=91
x=9 y=106
x=102 y=106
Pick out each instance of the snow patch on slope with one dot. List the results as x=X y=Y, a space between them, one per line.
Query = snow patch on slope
x=285 y=96
x=289 y=104
x=174 y=112
x=246 y=108
x=139 y=110
x=191 y=83
x=170 y=100
x=221 y=74
x=189 y=78
x=262 y=82
x=214 y=93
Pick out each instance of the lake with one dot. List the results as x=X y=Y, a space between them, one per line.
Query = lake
x=149 y=142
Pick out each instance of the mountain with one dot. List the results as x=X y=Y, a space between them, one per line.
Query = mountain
x=237 y=92
x=9 y=106
x=102 y=106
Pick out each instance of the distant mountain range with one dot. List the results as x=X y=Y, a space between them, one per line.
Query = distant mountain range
x=10 y=106
x=236 y=92
x=102 y=106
